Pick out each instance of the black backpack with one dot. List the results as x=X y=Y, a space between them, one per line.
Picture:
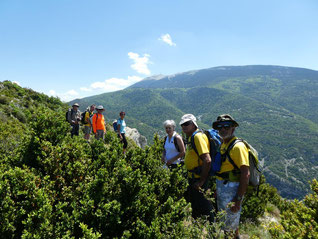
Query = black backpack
x=83 y=121
x=66 y=115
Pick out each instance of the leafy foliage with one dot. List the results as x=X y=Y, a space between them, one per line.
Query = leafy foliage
x=299 y=218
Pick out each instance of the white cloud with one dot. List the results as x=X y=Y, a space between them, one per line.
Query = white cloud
x=85 y=89
x=112 y=84
x=52 y=93
x=140 y=63
x=109 y=85
x=67 y=96
x=167 y=39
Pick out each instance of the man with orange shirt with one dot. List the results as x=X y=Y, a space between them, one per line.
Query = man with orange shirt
x=98 y=122
x=233 y=178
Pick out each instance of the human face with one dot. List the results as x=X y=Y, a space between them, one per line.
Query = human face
x=92 y=108
x=226 y=131
x=169 y=129
x=122 y=115
x=188 y=128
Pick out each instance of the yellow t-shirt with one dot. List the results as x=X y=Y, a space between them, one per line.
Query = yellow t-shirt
x=239 y=155
x=191 y=159
x=87 y=118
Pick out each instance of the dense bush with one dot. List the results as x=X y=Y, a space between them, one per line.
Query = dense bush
x=255 y=203
x=299 y=218
x=54 y=186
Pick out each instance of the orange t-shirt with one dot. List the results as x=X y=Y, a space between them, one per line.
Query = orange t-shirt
x=98 y=122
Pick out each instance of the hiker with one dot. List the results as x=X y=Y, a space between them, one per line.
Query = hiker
x=174 y=148
x=121 y=130
x=87 y=121
x=198 y=183
x=74 y=118
x=98 y=122
x=231 y=184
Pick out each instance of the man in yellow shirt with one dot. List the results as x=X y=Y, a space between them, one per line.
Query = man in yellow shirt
x=87 y=119
x=232 y=182
x=201 y=206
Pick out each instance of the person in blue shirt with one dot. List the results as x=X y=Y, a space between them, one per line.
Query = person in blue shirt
x=121 y=130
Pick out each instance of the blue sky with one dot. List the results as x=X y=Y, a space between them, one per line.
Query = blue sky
x=76 y=48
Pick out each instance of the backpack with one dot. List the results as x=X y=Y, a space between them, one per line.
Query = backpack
x=83 y=121
x=66 y=115
x=255 y=167
x=115 y=125
x=174 y=141
x=215 y=144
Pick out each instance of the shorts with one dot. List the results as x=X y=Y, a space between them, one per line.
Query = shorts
x=100 y=134
x=225 y=194
x=87 y=129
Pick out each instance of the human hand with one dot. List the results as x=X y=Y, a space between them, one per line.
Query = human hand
x=235 y=206
x=198 y=185
x=169 y=162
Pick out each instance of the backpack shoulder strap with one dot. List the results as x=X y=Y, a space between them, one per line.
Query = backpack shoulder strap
x=164 y=141
x=192 y=142
x=175 y=141
x=227 y=153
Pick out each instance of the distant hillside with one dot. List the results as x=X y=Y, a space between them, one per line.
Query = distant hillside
x=292 y=88
x=276 y=107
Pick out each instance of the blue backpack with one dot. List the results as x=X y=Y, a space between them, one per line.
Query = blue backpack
x=215 y=144
x=115 y=125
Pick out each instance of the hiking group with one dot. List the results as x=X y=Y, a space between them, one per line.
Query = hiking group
x=214 y=152
x=94 y=122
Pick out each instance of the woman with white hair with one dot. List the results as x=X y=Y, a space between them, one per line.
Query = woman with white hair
x=174 y=148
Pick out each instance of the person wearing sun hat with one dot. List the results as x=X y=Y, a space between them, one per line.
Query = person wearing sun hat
x=98 y=122
x=201 y=206
x=74 y=118
x=231 y=182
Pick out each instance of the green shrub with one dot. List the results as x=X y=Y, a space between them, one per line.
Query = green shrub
x=55 y=186
x=4 y=100
x=299 y=219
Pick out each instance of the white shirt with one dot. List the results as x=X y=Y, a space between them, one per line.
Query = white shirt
x=171 y=150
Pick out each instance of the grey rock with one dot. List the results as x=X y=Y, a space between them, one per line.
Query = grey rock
x=139 y=139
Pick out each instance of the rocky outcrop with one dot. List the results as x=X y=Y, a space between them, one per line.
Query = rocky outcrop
x=139 y=139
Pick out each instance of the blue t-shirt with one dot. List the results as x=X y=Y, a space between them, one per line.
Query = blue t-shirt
x=122 y=125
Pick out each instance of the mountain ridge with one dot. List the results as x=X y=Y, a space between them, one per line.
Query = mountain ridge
x=275 y=106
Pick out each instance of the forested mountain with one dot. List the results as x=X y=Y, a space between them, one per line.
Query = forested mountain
x=276 y=107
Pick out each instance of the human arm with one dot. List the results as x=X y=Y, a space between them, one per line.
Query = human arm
x=206 y=159
x=245 y=174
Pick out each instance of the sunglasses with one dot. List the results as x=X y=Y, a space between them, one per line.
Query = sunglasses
x=186 y=123
x=225 y=126
x=168 y=127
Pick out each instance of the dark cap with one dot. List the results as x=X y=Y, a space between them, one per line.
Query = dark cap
x=224 y=119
